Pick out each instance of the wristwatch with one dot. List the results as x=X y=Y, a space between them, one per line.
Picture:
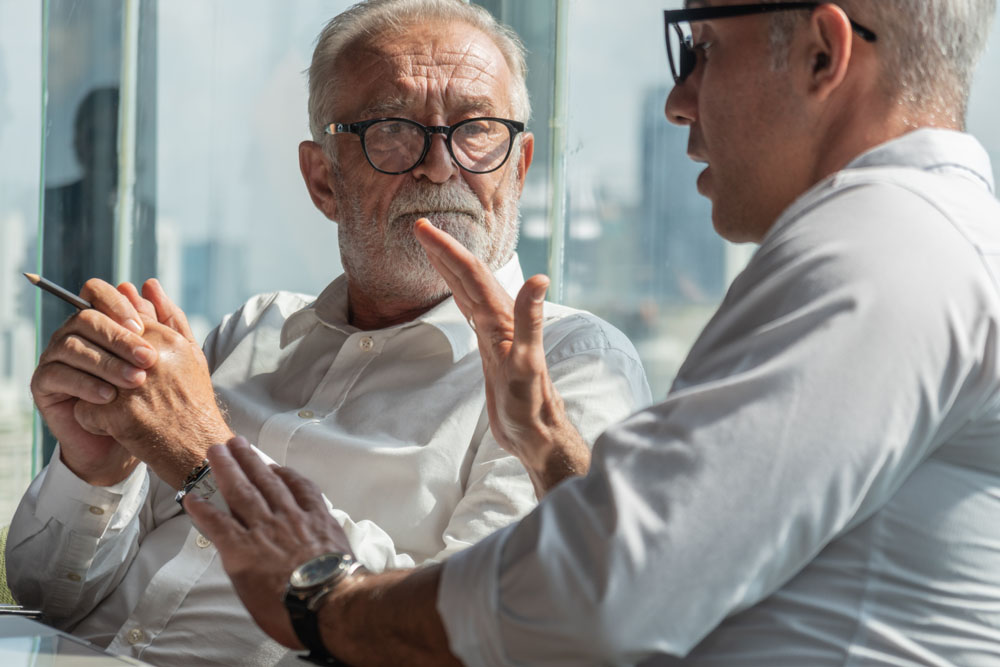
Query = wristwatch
x=308 y=587
x=201 y=482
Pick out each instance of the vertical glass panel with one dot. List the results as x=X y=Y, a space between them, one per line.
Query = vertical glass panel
x=535 y=23
x=234 y=217
x=81 y=147
x=99 y=169
x=20 y=131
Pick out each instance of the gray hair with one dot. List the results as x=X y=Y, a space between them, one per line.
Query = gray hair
x=929 y=48
x=371 y=18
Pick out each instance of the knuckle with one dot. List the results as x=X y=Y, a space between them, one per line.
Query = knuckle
x=78 y=349
x=92 y=285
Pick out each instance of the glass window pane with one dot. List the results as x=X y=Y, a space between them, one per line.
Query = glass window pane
x=234 y=217
x=20 y=130
x=640 y=247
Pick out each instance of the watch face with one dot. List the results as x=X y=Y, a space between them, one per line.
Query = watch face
x=317 y=571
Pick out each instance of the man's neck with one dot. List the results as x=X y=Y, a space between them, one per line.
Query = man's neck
x=369 y=314
x=857 y=132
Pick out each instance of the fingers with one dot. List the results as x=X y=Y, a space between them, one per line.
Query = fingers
x=73 y=365
x=108 y=300
x=440 y=248
x=215 y=524
x=262 y=476
x=475 y=288
x=242 y=497
x=167 y=311
x=58 y=382
x=143 y=306
x=307 y=495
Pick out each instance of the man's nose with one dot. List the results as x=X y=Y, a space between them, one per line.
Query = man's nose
x=437 y=165
x=682 y=103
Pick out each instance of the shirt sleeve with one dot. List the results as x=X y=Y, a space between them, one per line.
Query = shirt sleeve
x=769 y=446
x=71 y=543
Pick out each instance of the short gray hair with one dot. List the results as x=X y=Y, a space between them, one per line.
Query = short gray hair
x=929 y=48
x=370 y=18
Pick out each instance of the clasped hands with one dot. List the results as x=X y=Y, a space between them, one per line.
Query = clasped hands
x=125 y=382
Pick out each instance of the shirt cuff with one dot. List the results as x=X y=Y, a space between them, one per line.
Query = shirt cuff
x=88 y=509
x=468 y=603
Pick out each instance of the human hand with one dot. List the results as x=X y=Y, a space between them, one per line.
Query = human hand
x=172 y=418
x=94 y=355
x=526 y=413
x=279 y=521
x=156 y=305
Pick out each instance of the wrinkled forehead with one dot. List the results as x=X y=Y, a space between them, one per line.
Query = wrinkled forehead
x=437 y=67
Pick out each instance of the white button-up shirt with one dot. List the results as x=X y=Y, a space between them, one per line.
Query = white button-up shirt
x=822 y=484
x=391 y=424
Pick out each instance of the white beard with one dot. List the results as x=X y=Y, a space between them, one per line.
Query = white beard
x=394 y=266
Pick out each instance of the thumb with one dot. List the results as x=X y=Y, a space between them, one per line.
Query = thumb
x=529 y=312
x=90 y=417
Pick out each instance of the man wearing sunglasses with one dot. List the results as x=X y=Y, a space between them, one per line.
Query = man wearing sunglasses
x=822 y=484
x=374 y=389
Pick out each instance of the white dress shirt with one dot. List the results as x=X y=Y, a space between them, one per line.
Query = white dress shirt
x=822 y=484
x=391 y=424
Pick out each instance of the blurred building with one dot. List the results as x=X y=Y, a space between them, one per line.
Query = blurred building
x=679 y=256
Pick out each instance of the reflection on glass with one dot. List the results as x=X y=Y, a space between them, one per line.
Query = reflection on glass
x=80 y=215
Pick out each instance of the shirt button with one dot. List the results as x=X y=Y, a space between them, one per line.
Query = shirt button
x=96 y=510
x=202 y=541
x=306 y=414
x=73 y=576
x=135 y=635
x=367 y=343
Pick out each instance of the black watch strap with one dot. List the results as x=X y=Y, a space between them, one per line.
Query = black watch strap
x=323 y=660
x=305 y=622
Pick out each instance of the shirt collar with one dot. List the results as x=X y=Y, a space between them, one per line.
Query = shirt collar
x=931 y=149
x=928 y=149
x=330 y=309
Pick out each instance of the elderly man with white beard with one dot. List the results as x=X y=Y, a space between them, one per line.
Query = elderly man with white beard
x=374 y=389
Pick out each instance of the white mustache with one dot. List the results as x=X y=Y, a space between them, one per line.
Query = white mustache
x=428 y=199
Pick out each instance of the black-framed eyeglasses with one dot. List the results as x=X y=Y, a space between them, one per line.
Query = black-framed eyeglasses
x=397 y=145
x=681 y=50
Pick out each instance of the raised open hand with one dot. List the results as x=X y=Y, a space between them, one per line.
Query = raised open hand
x=526 y=412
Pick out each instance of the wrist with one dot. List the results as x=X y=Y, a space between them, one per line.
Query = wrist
x=310 y=589
x=560 y=452
x=111 y=470
x=175 y=466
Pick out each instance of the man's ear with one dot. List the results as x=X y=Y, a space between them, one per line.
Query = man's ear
x=525 y=155
x=829 y=49
x=315 y=168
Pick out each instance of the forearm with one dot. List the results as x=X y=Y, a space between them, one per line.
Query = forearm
x=387 y=619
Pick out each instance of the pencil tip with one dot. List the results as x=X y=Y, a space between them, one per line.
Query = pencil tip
x=33 y=277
